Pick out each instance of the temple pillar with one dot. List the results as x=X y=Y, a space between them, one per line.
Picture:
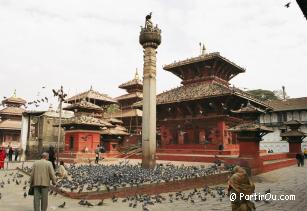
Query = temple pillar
x=202 y=136
x=180 y=137
x=221 y=131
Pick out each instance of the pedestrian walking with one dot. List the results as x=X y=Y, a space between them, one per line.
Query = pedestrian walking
x=299 y=159
x=41 y=175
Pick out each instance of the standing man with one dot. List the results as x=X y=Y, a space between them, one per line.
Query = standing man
x=42 y=173
x=11 y=151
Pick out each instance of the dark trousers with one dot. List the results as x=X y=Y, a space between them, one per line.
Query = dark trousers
x=40 y=198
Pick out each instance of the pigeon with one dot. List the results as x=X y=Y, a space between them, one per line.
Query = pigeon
x=62 y=205
x=100 y=203
x=267 y=191
x=287 y=5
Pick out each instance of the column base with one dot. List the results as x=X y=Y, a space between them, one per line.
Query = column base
x=148 y=164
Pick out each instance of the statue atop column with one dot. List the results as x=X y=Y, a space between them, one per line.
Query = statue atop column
x=150 y=34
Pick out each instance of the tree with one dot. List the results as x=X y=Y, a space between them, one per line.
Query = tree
x=110 y=109
x=264 y=95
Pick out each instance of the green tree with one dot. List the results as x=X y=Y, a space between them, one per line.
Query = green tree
x=263 y=94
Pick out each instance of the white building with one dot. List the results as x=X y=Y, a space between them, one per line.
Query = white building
x=283 y=110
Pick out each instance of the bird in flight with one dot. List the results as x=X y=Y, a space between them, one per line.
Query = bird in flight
x=288 y=4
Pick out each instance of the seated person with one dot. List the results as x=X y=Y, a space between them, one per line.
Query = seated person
x=61 y=171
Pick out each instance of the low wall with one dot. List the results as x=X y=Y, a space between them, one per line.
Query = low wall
x=151 y=189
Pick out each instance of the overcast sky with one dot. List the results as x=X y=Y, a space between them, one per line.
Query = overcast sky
x=79 y=43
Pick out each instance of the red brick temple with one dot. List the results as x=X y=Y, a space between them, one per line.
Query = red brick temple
x=10 y=121
x=88 y=129
x=199 y=113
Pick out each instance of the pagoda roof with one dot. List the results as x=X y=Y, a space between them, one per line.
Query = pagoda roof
x=138 y=95
x=84 y=105
x=114 y=120
x=291 y=104
x=10 y=125
x=249 y=108
x=200 y=90
x=177 y=66
x=114 y=131
x=136 y=81
x=128 y=113
x=92 y=95
x=293 y=122
x=11 y=110
x=86 y=120
x=293 y=133
x=250 y=127
x=14 y=100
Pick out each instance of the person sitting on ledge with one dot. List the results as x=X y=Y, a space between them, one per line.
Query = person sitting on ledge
x=61 y=171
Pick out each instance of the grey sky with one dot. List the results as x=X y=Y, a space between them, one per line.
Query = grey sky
x=79 y=43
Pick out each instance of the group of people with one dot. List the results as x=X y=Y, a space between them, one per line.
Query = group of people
x=8 y=153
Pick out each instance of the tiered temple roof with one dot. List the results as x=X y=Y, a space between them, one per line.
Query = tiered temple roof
x=10 y=115
x=93 y=97
x=14 y=100
x=204 y=76
x=84 y=106
x=134 y=88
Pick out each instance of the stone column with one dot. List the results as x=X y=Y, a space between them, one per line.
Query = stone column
x=150 y=39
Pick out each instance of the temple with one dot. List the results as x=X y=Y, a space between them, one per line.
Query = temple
x=10 y=122
x=131 y=117
x=88 y=128
x=200 y=112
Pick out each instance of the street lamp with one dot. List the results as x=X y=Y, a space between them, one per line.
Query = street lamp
x=61 y=96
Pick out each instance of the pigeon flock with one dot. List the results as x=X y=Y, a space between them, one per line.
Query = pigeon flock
x=87 y=178
x=83 y=178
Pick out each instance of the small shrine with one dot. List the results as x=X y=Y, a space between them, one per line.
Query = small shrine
x=249 y=136
x=293 y=136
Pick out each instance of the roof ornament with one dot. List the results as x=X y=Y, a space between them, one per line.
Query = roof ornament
x=14 y=94
x=148 y=22
x=202 y=48
x=136 y=74
x=91 y=88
